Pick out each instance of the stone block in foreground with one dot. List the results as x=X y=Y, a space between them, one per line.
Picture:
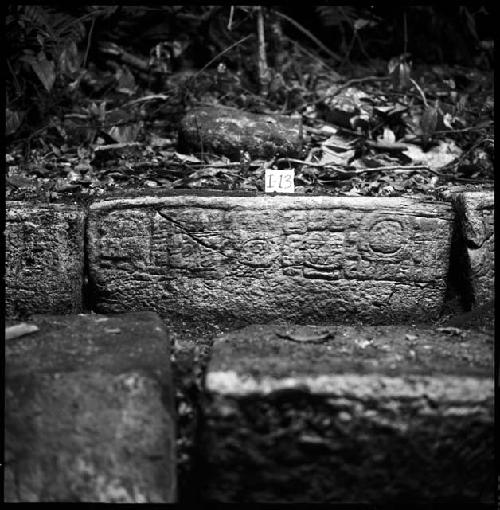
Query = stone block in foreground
x=265 y=257
x=44 y=258
x=225 y=130
x=374 y=414
x=89 y=411
x=476 y=222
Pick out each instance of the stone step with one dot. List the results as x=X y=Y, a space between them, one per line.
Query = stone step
x=257 y=258
x=475 y=213
x=313 y=258
x=45 y=255
x=380 y=415
x=89 y=411
x=210 y=257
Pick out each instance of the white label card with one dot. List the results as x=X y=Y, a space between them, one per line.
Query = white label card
x=280 y=181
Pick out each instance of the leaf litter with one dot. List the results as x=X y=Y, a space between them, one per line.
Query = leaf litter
x=396 y=131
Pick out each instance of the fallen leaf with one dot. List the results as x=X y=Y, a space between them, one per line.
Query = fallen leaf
x=354 y=192
x=388 y=136
x=125 y=134
x=441 y=155
x=328 y=130
x=336 y=158
x=185 y=158
x=337 y=142
x=126 y=81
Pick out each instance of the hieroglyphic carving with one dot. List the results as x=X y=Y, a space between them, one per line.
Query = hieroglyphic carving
x=283 y=246
x=385 y=237
x=378 y=240
x=124 y=240
x=256 y=252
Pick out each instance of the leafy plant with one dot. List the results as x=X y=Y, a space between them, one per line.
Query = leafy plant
x=42 y=34
x=41 y=51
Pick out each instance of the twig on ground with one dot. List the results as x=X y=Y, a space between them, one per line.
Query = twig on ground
x=307 y=163
x=145 y=98
x=420 y=91
x=197 y=166
x=400 y=168
x=464 y=130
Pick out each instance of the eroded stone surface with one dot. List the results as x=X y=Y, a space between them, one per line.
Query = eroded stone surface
x=373 y=414
x=263 y=257
x=89 y=411
x=475 y=212
x=225 y=130
x=44 y=258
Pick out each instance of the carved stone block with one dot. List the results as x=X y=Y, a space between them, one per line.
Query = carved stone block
x=267 y=257
x=44 y=258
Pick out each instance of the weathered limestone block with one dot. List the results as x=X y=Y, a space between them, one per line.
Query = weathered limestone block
x=44 y=258
x=375 y=414
x=266 y=257
x=89 y=411
x=475 y=211
x=225 y=130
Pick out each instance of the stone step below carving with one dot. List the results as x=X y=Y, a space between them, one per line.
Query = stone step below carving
x=89 y=411
x=348 y=414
